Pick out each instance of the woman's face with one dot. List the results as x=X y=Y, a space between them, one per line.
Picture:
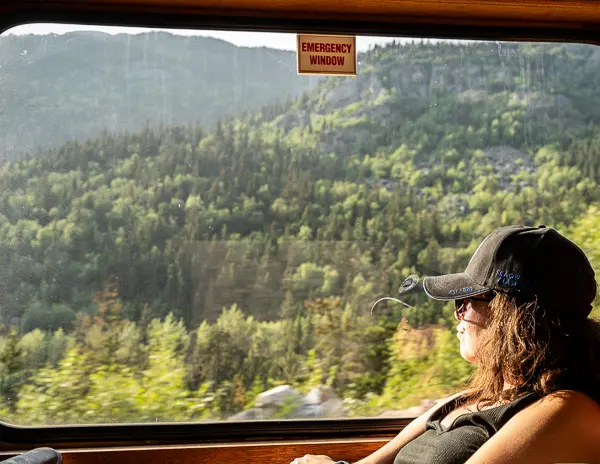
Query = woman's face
x=472 y=314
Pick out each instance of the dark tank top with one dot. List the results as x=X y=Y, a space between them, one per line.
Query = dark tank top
x=456 y=443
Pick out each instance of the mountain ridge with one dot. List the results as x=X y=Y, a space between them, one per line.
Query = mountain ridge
x=57 y=88
x=415 y=174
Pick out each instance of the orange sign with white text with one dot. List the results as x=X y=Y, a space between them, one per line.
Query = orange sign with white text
x=326 y=54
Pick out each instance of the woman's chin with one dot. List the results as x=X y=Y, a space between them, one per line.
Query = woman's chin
x=467 y=355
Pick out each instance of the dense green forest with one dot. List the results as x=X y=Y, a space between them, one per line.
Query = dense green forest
x=56 y=88
x=175 y=273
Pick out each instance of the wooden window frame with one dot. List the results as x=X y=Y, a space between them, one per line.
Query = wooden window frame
x=511 y=20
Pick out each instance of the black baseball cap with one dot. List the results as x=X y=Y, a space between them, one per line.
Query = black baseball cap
x=529 y=262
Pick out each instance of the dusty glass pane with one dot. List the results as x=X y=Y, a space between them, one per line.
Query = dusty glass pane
x=191 y=231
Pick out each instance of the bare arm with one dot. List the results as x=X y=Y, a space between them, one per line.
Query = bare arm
x=387 y=453
x=561 y=427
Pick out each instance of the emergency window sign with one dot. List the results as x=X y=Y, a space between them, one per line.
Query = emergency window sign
x=327 y=54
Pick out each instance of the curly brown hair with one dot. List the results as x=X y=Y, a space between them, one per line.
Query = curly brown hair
x=535 y=348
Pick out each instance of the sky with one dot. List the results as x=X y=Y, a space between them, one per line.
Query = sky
x=245 y=39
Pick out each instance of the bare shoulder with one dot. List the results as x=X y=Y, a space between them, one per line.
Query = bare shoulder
x=570 y=396
x=561 y=427
x=563 y=405
x=557 y=413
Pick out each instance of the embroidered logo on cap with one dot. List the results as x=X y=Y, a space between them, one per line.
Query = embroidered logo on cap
x=507 y=279
x=460 y=291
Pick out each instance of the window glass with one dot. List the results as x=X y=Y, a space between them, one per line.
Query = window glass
x=191 y=231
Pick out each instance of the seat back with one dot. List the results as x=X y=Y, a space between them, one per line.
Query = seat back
x=37 y=456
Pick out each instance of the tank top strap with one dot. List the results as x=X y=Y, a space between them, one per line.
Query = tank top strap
x=500 y=415
x=494 y=417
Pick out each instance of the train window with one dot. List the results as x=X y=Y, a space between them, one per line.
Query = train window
x=191 y=231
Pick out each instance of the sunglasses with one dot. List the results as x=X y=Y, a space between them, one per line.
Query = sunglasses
x=460 y=306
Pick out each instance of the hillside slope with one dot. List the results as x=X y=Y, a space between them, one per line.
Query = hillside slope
x=56 y=88
x=355 y=185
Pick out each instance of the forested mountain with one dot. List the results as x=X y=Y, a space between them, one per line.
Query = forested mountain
x=296 y=219
x=57 y=88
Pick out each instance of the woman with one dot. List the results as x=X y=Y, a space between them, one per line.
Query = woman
x=522 y=307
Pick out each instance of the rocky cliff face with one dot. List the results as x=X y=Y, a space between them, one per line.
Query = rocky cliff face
x=284 y=402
